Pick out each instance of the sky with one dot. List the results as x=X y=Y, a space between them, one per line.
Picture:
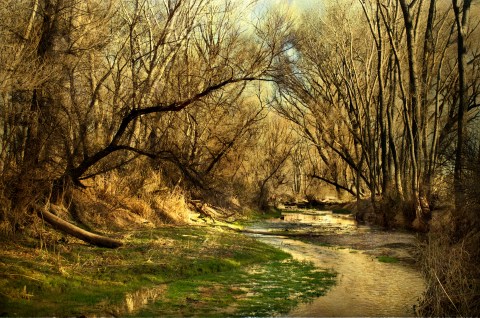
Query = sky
x=301 y=4
x=297 y=6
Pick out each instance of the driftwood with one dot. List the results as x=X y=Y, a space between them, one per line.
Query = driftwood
x=213 y=212
x=202 y=208
x=69 y=228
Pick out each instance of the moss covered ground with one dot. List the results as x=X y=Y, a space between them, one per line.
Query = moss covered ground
x=170 y=271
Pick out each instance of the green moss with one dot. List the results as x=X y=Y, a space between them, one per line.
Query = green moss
x=387 y=259
x=273 y=288
x=202 y=266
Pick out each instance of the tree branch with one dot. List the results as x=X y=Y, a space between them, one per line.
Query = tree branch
x=76 y=172
x=315 y=176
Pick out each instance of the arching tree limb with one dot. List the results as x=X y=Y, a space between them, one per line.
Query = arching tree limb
x=336 y=184
x=77 y=172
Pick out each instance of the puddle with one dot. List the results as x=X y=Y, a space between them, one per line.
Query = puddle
x=310 y=222
x=137 y=300
x=365 y=286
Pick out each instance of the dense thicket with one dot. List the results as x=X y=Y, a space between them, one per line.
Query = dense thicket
x=387 y=93
x=90 y=87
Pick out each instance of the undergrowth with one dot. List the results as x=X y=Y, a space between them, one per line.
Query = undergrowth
x=452 y=274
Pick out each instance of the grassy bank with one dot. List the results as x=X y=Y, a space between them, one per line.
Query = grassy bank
x=168 y=271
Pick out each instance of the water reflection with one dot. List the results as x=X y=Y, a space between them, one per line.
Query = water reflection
x=365 y=286
x=324 y=218
x=138 y=299
x=310 y=222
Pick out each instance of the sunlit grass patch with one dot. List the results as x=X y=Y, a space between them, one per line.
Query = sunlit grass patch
x=259 y=216
x=262 y=290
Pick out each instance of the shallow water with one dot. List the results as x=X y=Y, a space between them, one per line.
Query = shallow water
x=365 y=286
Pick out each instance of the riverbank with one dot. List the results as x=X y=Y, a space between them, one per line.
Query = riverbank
x=176 y=271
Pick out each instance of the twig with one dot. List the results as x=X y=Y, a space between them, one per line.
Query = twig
x=446 y=293
x=38 y=280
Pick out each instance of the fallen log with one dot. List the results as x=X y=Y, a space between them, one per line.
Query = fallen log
x=202 y=208
x=69 y=228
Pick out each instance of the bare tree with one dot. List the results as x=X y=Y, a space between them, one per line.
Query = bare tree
x=375 y=95
x=107 y=75
x=461 y=21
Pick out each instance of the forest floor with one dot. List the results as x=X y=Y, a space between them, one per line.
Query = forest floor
x=168 y=271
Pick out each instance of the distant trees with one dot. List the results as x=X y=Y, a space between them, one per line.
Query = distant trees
x=461 y=24
x=373 y=86
x=166 y=66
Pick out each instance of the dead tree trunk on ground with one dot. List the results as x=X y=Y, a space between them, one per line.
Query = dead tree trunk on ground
x=69 y=228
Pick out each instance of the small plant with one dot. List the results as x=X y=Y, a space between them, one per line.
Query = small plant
x=387 y=259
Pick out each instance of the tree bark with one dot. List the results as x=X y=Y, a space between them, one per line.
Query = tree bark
x=413 y=115
x=336 y=184
x=68 y=228
x=461 y=19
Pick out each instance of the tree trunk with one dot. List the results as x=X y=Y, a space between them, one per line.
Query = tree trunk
x=413 y=116
x=68 y=228
x=40 y=104
x=461 y=23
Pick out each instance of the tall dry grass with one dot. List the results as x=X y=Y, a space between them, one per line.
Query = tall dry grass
x=134 y=196
x=451 y=255
x=452 y=276
x=18 y=193
x=144 y=193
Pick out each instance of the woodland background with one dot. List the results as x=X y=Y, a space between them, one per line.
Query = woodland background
x=131 y=112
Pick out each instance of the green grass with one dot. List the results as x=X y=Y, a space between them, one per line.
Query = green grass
x=255 y=216
x=341 y=211
x=211 y=270
x=387 y=259
x=273 y=288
